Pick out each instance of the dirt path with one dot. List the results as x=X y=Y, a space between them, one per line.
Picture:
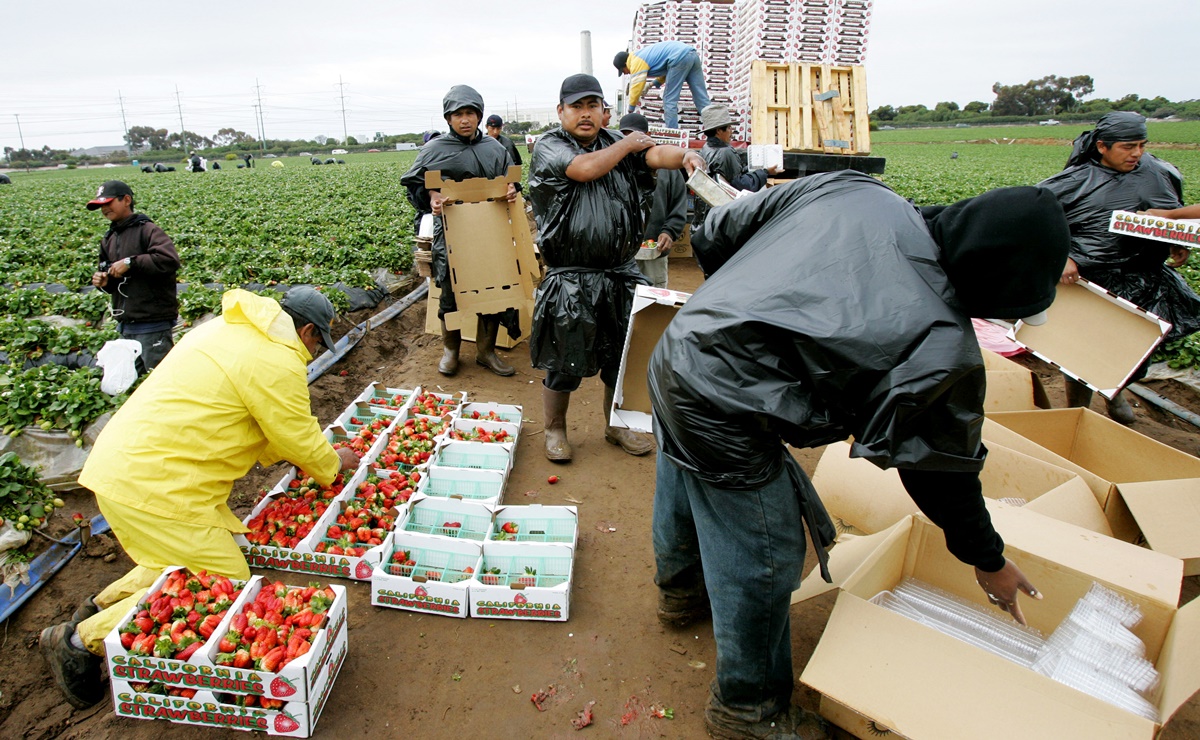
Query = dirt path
x=409 y=675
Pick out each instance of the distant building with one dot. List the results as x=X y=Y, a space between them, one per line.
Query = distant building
x=540 y=117
x=99 y=151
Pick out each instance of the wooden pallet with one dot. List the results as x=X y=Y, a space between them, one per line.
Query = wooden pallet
x=809 y=107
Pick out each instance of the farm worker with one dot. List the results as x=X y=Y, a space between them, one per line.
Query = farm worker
x=722 y=160
x=233 y=393
x=138 y=263
x=1109 y=170
x=196 y=163
x=249 y=159
x=784 y=343
x=672 y=61
x=668 y=214
x=588 y=186
x=495 y=129
x=461 y=154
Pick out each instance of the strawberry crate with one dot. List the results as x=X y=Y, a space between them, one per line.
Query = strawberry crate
x=475 y=455
x=389 y=399
x=359 y=414
x=448 y=518
x=412 y=441
x=222 y=709
x=536 y=524
x=385 y=488
x=523 y=581
x=488 y=411
x=485 y=432
x=424 y=574
x=428 y=403
x=366 y=444
x=206 y=670
x=338 y=537
x=479 y=486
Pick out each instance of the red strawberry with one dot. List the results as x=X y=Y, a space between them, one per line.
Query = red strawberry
x=280 y=686
x=552 y=479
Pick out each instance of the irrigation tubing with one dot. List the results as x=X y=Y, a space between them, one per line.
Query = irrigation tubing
x=44 y=567
x=341 y=347
x=1165 y=404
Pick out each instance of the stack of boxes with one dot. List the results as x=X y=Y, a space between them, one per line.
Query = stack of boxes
x=730 y=37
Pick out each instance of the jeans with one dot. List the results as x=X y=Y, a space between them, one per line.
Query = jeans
x=155 y=346
x=688 y=70
x=748 y=547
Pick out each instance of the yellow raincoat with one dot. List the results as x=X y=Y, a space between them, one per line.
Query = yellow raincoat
x=233 y=392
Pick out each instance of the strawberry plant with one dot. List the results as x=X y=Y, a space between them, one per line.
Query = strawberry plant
x=53 y=397
x=25 y=501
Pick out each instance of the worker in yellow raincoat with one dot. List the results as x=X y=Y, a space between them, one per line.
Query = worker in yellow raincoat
x=233 y=392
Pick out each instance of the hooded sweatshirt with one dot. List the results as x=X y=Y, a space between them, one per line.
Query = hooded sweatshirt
x=233 y=392
x=147 y=293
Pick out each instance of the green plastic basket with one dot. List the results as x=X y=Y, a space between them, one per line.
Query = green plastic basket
x=431 y=565
x=483 y=457
x=536 y=529
x=427 y=518
x=525 y=570
x=469 y=490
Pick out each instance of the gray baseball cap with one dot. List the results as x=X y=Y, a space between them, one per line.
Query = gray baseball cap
x=309 y=304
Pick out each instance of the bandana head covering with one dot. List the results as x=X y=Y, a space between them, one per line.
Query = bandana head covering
x=1121 y=125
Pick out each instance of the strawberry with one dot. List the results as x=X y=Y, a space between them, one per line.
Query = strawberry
x=362 y=570
x=285 y=723
x=280 y=686
x=552 y=479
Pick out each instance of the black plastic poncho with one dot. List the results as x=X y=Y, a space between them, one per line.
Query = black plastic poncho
x=590 y=232
x=829 y=316
x=1127 y=265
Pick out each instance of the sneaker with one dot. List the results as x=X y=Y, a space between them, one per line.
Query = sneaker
x=76 y=672
x=794 y=723
x=86 y=610
x=682 y=610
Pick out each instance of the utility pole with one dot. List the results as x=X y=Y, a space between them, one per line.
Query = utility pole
x=182 y=131
x=342 y=97
x=124 y=125
x=262 y=129
x=18 y=117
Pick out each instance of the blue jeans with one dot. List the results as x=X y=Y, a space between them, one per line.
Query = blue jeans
x=688 y=70
x=748 y=547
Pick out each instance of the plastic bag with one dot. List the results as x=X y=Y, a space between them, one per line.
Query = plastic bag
x=118 y=357
x=11 y=537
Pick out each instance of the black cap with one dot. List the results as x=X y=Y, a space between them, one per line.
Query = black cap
x=310 y=305
x=619 y=61
x=634 y=122
x=495 y=120
x=577 y=87
x=109 y=192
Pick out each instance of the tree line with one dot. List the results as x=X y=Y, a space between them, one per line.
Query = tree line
x=1049 y=96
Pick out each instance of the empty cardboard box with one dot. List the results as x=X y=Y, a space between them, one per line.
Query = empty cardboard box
x=1168 y=514
x=653 y=309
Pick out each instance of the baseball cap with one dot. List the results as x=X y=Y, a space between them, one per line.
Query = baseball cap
x=109 y=192
x=310 y=305
x=619 y=62
x=634 y=122
x=495 y=120
x=577 y=87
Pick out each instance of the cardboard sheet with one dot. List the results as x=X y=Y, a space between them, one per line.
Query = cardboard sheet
x=1168 y=513
x=653 y=309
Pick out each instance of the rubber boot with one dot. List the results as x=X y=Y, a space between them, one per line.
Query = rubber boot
x=555 y=403
x=1119 y=410
x=1078 y=394
x=451 y=341
x=631 y=442
x=485 y=347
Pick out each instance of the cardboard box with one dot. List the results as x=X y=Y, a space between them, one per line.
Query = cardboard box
x=515 y=593
x=469 y=426
x=871 y=500
x=1168 y=514
x=427 y=516
x=504 y=340
x=880 y=672
x=1080 y=314
x=683 y=245
x=357 y=567
x=537 y=524
x=508 y=413
x=1100 y=451
x=1011 y=387
x=382 y=398
x=205 y=709
x=297 y=681
x=474 y=456
x=493 y=266
x=437 y=584
x=653 y=309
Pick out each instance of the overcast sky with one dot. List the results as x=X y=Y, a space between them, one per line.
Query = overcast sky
x=67 y=60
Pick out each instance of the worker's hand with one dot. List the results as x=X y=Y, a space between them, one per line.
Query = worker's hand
x=1160 y=212
x=638 y=142
x=435 y=202
x=774 y=169
x=100 y=279
x=693 y=162
x=665 y=242
x=118 y=269
x=1070 y=273
x=1004 y=586
x=1179 y=256
x=512 y=192
x=347 y=459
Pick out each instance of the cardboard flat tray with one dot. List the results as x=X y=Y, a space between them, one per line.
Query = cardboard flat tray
x=1070 y=339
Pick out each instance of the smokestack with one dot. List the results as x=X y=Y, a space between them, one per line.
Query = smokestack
x=585 y=52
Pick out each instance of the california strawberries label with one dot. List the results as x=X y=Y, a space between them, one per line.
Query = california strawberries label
x=175 y=673
x=299 y=562
x=176 y=709
x=419 y=599
x=518 y=607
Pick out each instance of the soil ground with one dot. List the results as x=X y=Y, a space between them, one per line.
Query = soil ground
x=409 y=675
